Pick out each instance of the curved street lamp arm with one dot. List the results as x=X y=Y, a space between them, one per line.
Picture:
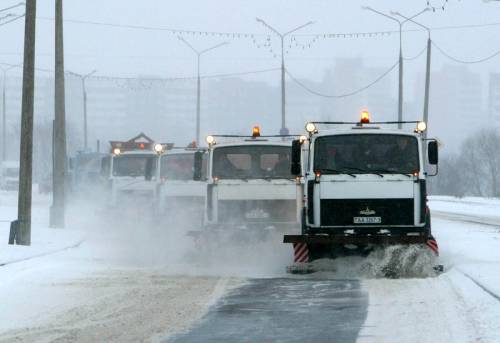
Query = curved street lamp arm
x=212 y=48
x=89 y=74
x=382 y=14
x=269 y=26
x=189 y=45
x=413 y=21
x=298 y=28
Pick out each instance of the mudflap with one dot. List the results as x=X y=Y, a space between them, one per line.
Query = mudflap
x=300 y=260
x=432 y=244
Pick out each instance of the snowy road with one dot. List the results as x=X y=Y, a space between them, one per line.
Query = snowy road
x=284 y=310
x=460 y=305
x=118 y=287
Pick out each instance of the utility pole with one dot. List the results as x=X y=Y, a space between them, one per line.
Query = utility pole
x=198 y=81
x=283 y=69
x=427 y=69
x=57 y=212
x=23 y=229
x=400 y=86
x=83 y=78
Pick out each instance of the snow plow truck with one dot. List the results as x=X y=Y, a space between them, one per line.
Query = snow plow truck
x=364 y=187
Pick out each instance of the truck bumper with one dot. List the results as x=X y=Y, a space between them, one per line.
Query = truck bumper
x=417 y=238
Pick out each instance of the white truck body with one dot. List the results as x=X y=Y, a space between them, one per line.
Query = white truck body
x=262 y=198
x=179 y=196
x=134 y=184
x=363 y=186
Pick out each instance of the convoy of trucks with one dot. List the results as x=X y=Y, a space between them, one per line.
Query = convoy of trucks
x=343 y=188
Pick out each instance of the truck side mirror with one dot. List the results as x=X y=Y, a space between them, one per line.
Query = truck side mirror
x=296 y=157
x=198 y=163
x=432 y=152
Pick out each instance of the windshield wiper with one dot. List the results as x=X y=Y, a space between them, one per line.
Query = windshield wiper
x=365 y=171
x=337 y=171
x=387 y=171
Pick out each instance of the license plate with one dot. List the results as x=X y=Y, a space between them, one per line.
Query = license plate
x=367 y=220
x=257 y=214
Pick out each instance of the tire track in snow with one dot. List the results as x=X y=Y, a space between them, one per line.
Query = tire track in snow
x=47 y=253
x=467 y=218
x=480 y=285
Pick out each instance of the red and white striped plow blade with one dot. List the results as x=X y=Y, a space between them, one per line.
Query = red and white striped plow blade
x=300 y=252
x=432 y=244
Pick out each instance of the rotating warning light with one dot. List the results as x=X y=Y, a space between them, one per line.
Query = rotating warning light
x=210 y=140
x=255 y=131
x=421 y=126
x=310 y=127
x=142 y=146
x=116 y=151
x=365 y=117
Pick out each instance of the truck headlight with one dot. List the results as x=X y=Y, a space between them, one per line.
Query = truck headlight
x=310 y=127
x=158 y=148
x=421 y=126
x=116 y=151
x=210 y=140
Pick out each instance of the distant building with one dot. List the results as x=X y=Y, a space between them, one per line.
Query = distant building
x=494 y=99
x=455 y=104
x=349 y=75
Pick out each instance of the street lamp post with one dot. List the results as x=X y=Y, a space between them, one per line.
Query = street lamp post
x=427 y=68
x=83 y=78
x=198 y=81
x=283 y=91
x=400 y=87
x=4 y=111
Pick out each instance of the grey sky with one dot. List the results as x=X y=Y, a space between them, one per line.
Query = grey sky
x=130 y=52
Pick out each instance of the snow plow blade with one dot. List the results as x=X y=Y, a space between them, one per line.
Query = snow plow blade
x=356 y=239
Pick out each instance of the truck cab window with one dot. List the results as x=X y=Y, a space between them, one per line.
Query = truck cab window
x=363 y=154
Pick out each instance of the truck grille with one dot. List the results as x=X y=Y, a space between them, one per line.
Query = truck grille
x=257 y=211
x=340 y=212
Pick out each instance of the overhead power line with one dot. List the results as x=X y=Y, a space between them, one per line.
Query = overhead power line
x=11 y=7
x=337 y=96
x=125 y=78
x=236 y=35
x=417 y=55
x=11 y=20
x=159 y=28
x=480 y=60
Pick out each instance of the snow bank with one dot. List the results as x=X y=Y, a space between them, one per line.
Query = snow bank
x=486 y=208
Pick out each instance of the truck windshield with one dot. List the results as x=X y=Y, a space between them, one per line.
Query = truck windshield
x=88 y=163
x=11 y=172
x=179 y=166
x=134 y=165
x=366 y=154
x=252 y=162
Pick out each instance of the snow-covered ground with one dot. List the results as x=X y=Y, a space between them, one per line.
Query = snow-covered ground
x=95 y=281
x=450 y=307
x=129 y=281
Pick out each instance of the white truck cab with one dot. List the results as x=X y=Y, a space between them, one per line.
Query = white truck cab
x=9 y=175
x=179 y=196
x=250 y=185
x=364 y=186
x=131 y=170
